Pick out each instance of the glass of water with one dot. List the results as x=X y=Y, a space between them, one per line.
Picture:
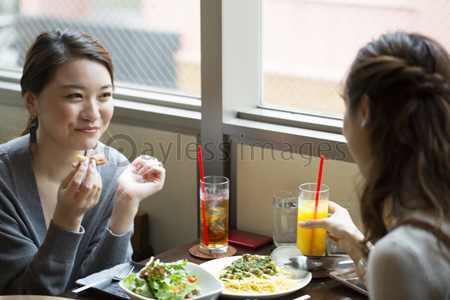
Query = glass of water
x=284 y=222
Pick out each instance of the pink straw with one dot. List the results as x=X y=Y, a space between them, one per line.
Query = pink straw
x=200 y=161
x=317 y=202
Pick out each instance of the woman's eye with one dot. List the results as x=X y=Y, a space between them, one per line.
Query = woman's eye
x=74 y=96
x=106 y=95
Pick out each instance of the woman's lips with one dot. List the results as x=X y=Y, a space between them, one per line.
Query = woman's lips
x=89 y=130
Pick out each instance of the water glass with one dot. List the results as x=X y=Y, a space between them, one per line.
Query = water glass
x=284 y=220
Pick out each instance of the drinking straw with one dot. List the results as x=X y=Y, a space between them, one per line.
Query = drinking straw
x=200 y=161
x=318 y=186
x=319 y=180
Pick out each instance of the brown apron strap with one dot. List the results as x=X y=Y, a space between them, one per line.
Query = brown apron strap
x=437 y=232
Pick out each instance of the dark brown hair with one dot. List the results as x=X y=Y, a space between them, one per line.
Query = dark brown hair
x=53 y=48
x=407 y=80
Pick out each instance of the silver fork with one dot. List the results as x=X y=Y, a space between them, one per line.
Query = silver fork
x=127 y=269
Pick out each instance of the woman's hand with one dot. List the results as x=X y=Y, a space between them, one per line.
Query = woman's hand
x=340 y=228
x=142 y=178
x=78 y=193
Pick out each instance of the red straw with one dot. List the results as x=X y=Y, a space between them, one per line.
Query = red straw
x=317 y=203
x=200 y=161
x=318 y=186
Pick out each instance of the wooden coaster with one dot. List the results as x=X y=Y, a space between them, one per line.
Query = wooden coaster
x=320 y=274
x=195 y=251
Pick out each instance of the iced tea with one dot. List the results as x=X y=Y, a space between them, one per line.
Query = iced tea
x=216 y=223
x=214 y=195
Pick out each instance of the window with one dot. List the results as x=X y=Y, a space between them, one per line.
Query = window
x=276 y=65
x=308 y=45
x=155 y=44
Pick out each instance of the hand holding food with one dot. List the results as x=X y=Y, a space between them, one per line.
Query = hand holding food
x=78 y=193
x=97 y=157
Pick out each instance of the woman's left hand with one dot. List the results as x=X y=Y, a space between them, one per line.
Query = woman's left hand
x=142 y=178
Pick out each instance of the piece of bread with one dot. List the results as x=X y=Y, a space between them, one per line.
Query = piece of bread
x=99 y=159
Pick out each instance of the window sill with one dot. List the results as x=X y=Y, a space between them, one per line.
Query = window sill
x=157 y=117
x=385 y=4
x=302 y=134
x=293 y=119
x=306 y=142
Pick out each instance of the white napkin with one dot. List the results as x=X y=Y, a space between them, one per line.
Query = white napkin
x=110 y=287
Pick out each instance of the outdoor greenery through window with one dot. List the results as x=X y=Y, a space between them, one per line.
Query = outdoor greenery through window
x=155 y=44
x=308 y=45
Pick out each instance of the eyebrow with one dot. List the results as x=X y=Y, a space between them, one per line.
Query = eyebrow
x=77 y=86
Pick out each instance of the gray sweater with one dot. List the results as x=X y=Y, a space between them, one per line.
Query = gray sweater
x=34 y=260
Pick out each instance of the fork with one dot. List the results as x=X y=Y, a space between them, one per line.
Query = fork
x=127 y=269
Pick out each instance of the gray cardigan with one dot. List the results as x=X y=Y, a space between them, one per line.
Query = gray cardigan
x=34 y=260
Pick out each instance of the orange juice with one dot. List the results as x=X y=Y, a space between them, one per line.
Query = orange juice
x=312 y=241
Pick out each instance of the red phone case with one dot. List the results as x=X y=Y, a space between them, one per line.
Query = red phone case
x=247 y=240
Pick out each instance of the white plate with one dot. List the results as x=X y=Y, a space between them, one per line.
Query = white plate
x=210 y=286
x=216 y=265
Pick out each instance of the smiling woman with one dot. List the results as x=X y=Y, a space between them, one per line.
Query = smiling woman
x=61 y=223
x=79 y=101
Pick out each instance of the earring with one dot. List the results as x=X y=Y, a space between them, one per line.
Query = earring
x=363 y=123
x=32 y=125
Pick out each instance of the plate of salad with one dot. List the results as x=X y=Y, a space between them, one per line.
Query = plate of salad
x=172 y=281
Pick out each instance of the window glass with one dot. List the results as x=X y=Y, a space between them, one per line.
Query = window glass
x=155 y=44
x=308 y=45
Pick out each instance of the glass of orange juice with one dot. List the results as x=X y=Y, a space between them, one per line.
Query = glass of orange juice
x=312 y=241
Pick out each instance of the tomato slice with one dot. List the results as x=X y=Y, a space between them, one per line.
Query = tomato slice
x=177 y=289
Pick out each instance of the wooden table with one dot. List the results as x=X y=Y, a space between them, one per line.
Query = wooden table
x=318 y=288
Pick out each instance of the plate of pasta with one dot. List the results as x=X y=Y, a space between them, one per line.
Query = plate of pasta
x=254 y=275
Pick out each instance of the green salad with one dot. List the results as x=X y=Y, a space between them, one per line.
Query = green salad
x=165 y=281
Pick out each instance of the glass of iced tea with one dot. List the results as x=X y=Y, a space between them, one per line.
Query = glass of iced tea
x=312 y=241
x=214 y=205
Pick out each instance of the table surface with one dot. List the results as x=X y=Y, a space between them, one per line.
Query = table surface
x=318 y=288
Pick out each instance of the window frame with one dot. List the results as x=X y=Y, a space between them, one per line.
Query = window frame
x=242 y=113
x=229 y=109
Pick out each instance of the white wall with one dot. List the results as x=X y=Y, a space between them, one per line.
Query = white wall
x=261 y=172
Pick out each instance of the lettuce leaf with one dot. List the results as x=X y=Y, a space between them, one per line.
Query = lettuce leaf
x=161 y=280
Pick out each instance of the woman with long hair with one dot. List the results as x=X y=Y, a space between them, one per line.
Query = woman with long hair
x=61 y=222
x=397 y=125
